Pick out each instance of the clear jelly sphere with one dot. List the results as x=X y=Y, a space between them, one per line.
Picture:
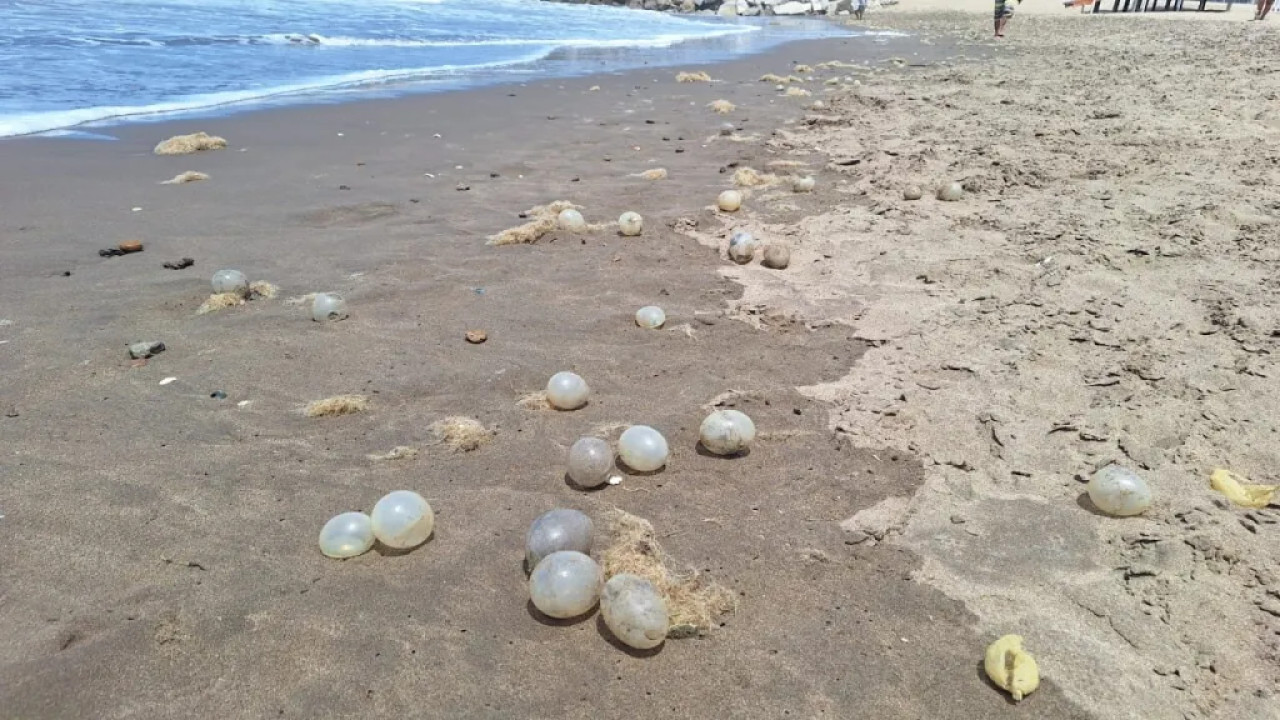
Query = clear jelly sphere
x=729 y=201
x=1119 y=491
x=402 y=519
x=567 y=391
x=651 y=317
x=634 y=611
x=804 y=184
x=590 y=462
x=742 y=247
x=230 y=281
x=727 y=432
x=556 y=530
x=572 y=220
x=642 y=448
x=328 y=306
x=565 y=584
x=630 y=224
x=346 y=535
x=951 y=192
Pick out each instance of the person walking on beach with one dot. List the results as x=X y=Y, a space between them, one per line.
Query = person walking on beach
x=861 y=7
x=1004 y=11
x=1264 y=7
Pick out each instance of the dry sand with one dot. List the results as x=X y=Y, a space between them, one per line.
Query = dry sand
x=929 y=379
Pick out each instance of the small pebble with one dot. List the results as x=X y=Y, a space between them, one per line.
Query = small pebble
x=144 y=350
x=475 y=337
x=218 y=395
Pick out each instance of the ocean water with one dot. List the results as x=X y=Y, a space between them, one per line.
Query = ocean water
x=87 y=63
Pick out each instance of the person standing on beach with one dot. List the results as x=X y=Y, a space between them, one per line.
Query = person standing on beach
x=1004 y=11
x=861 y=7
x=1264 y=7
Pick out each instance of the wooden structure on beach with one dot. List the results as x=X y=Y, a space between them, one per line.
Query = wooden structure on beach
x=1152 y=5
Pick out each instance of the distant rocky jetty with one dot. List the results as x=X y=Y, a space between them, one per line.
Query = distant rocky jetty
x=730 y=8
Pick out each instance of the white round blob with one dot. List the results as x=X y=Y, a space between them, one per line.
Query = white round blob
x=630 y=224
x=328 y=306
x=742 y=247
x=230 y=281
x=402 y=520
x=729 y=201
x=912 y=192
x=554 y=531
x=642 y=448
x=727 y=432
x=346 y=535
x=567 y=391
x=651 y=317
x=590 y=462
x=727 y=128
x=1119 y=491
x=634 y=611
x=571 y=220
x=950 y=192
x=565 y=584
x=804 y=184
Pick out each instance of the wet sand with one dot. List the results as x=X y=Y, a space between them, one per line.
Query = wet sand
x=162 y=558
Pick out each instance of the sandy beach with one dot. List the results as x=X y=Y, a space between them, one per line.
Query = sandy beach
x=932 y=381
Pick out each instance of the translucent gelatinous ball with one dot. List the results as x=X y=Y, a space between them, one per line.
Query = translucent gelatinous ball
x=590 y=462
x=912 y=193
x=742 y=247
x=642 y=448
x=328 y=306
x=565 y=584
x=950 y=192
x=630 y=224
x=346 y=535
x=804 y=184
x=727 y=432
x=1119 y=491
x=634 y=611
x=571 y=220
x=557 y=530
x=230 y=281
x=651 y=317
x=402 y=519
x=729 y=201
x=727 y=128
x=567 y=391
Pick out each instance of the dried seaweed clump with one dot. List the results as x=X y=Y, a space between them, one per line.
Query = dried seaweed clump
x=337 y=405
x=542 y=220
x=259 y=289
x=692 y=77
x=535 y=401
x=802 y=69
x=187 y=144
x=780 y=79
x=186 y=177
x=750 y=177
x=692 y=603
x=399 y=452
x=797 y=92
x=724 y=107
x=653 y=174
x=462 y=434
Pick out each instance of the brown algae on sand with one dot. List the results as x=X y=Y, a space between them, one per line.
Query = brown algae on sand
x=1011 y=668
x=750 y=177
x=1240 y=491
x=189 y=176
x=543 y=219
x=653 y=174
x=692 y=603
x=259 y=289
x=692 y=77
x=337 y=405
x=461 y=433
x=724 y=107
x=399 y=452
x=187 y=144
